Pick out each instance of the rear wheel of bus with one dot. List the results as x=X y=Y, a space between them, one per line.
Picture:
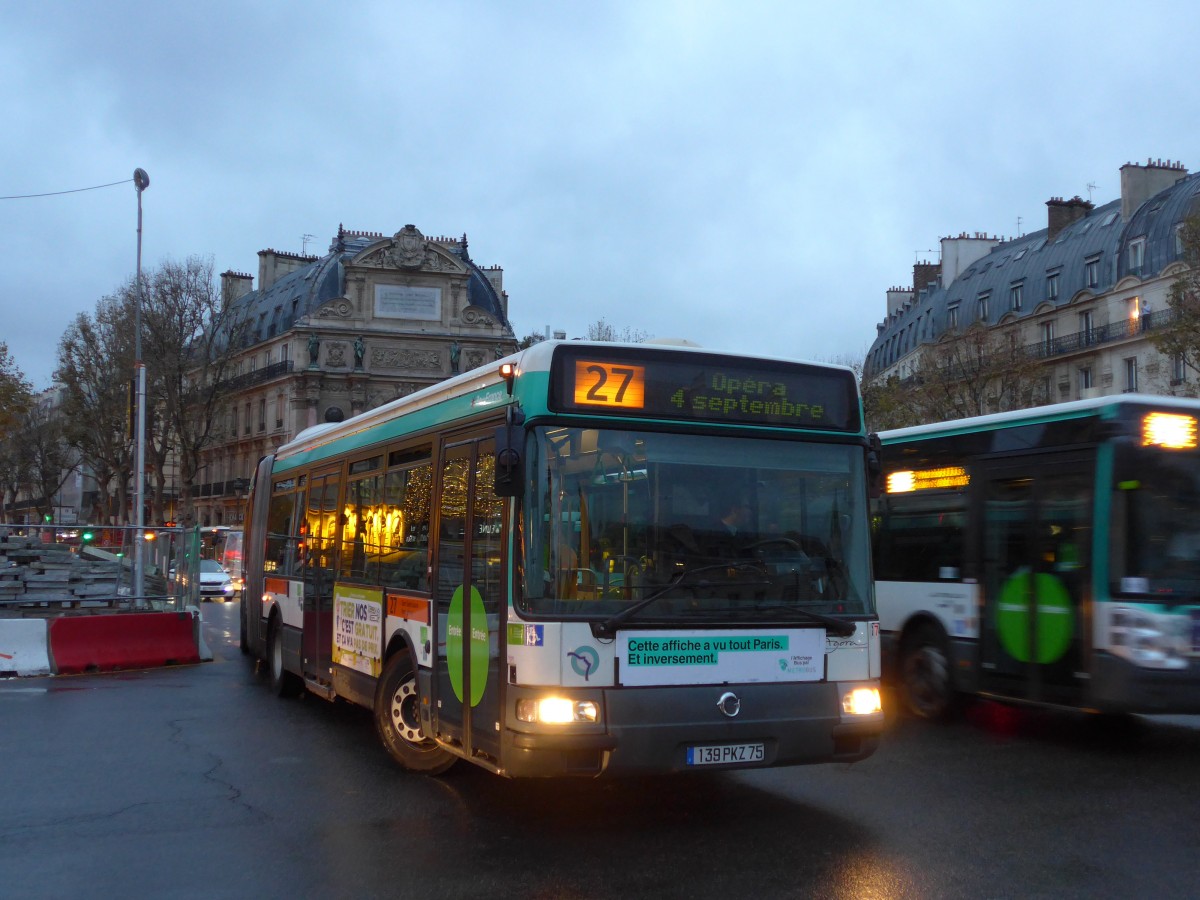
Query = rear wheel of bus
x=925 y=678
x=398 y=719
x=283 y=682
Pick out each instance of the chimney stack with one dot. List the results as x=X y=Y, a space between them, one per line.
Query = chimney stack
x=1061 y=213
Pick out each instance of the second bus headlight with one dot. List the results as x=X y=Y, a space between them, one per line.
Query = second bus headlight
x=556 y=710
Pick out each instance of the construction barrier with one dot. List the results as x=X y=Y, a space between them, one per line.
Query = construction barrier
x=23 y=647
x=123 y=641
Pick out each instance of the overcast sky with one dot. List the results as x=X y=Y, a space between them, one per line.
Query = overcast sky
x=748 y=175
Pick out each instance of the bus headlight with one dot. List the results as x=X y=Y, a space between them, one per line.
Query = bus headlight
x=861 y=701
x=556 y=710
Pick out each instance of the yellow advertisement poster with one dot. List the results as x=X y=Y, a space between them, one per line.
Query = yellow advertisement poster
x=358 y=628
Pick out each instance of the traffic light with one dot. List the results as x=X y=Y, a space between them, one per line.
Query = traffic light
x=87 y=536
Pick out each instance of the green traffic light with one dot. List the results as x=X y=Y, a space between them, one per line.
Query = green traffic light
x=87 y=536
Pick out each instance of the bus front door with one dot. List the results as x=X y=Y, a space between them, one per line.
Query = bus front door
x=1036 y=536
x=320 y=528
x=469 y=595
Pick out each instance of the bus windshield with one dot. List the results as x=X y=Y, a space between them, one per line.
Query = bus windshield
x=691 y=528
x=1155 y=533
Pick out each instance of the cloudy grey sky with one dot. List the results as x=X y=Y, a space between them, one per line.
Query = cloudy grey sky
x=748 y=175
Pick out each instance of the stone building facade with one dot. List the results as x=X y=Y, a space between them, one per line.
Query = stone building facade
x=327 y=337
x=1083 y=296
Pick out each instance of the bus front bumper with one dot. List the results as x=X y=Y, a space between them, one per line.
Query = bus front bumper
x=649 y=730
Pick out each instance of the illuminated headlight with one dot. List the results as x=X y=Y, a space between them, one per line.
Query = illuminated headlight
x=227 y=588
x=1154 y=642
x=861 y=701
x=556 y=710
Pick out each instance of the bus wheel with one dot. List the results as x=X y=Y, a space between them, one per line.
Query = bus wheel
x=283 y=682
x=398 y=719
x=925 y=674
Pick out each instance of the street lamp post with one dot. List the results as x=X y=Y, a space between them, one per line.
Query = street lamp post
x=141 y=181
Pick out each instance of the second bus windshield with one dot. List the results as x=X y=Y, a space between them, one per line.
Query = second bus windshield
x=716 y=526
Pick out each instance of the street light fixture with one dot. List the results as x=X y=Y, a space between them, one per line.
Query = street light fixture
x=141 y=181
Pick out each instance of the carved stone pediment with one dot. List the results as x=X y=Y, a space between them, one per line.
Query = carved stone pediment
x=408 y=249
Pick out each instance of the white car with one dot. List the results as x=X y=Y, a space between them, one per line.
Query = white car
x=215 y=583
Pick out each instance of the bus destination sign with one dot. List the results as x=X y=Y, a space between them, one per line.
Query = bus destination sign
x=703 y=386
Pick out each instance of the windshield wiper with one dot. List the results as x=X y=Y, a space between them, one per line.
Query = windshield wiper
x=840 y=627
x=608 y=627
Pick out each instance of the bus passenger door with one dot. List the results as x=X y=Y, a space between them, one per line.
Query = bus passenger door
x=320 y=529
x=469 y=596
x=1036 y=533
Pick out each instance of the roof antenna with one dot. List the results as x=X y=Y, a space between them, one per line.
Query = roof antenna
x=1091 y=186
x=304 y=239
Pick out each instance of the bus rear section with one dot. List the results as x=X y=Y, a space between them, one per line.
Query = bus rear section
x=1045 y=557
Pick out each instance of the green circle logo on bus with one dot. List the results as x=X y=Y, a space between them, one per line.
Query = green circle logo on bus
x=1055 y=620
x=584 y=661
x=476 y=649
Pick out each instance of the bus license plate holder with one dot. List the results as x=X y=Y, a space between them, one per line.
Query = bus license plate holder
x=726 y=754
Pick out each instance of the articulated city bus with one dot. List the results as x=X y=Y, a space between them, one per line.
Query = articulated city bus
x=525 y=566
x=1049 y=556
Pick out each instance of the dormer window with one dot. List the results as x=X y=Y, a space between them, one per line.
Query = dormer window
x=1052 y=286
x=1137 y=255
x=1091 y=271
x=1015 y=295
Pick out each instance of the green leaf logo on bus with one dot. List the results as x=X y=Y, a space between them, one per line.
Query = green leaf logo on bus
x=476 y=649
x=1055 y=621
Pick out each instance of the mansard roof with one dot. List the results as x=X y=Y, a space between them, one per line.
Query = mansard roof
x=1099 y=235
x=302 y=292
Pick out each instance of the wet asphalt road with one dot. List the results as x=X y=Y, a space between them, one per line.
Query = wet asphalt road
x=196 y=782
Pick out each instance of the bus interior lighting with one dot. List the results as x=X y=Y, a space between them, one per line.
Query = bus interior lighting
x=927 y=479
x=556 y=710
x=861 y=701
x=1171 y=431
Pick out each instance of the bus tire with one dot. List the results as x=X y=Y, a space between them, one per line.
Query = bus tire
x=925 y=678
x=398 y=719
x=283 y=682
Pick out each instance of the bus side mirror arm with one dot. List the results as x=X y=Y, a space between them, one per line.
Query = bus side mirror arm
x=510 y=469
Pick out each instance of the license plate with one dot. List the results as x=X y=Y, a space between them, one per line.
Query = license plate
x=725 y=754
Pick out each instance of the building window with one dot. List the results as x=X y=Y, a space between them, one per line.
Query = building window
x=262 y=414
x=1137 y=255
x=1052 y=286
x=1179 y=247
x=1131 y=381
x=1085 y=378
x=1046 y=329
x=982 y=305
x=279 y=411
x=247 y=423
x=1178 y=369
x=952 y=317
x=1091 y=272
x=1014 y=295
x=233 y=421
x=285 y=351
x=1085 y=326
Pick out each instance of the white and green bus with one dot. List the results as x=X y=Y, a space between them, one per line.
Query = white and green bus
x=1047 y=556
x=520 y=566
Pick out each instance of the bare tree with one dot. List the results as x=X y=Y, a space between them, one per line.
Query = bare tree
x=191 y=338
x=978 y=371
x=601 y=330
x=15 y=399
x=44 y=457
x=1180 y=338
x=95 y=365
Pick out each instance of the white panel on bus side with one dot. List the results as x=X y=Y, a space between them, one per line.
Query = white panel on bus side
x=288 y=595
x=953 y=603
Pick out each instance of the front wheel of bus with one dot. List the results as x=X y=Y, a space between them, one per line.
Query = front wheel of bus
x=398 y=719
x=925 y=674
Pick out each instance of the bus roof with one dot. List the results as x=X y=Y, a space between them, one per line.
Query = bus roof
x=1101 y=407
x=478 y=390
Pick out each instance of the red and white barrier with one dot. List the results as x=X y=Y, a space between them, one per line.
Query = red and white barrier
x=122 y=641
x=24 y=649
